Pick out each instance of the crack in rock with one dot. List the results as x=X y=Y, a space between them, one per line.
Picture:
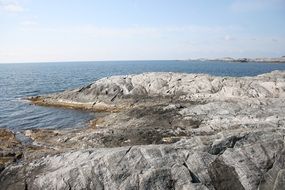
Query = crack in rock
x=195 y=179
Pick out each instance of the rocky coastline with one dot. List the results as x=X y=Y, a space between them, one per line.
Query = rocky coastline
x=245 y=60
x=157 y=131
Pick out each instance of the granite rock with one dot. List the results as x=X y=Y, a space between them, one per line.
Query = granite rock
x=163 y=131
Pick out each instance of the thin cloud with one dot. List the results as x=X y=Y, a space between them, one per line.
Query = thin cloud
x=274 y=40
x=28 y=23
x=229 y=38
x=135 y=31
x=11 y=6
x=256 y=5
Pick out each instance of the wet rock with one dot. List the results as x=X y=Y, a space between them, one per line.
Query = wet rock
x=10 y=148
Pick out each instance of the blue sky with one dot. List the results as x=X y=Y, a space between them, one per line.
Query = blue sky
x=71 y=30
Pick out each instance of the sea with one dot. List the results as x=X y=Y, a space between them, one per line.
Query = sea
x=18 y=81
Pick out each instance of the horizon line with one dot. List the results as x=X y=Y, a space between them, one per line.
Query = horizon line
x=71 y=61
x=121 y=60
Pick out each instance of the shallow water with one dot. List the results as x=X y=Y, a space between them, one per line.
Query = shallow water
x=18 y=81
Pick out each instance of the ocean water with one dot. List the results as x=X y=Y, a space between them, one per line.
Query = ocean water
x=18 y=81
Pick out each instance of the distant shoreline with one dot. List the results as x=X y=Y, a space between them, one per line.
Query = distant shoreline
x=244 y=60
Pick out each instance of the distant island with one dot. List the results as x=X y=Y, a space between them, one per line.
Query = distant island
x=244 y=60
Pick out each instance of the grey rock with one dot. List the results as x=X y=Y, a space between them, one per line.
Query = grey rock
x=182 y=165
x=117 y=90
x=165 y=131
x=274 y=178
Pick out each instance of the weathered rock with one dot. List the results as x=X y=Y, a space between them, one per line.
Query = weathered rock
x=182 y=165
x=115 y=92
x=165 y=131
x=274 y=178
x=10 y=148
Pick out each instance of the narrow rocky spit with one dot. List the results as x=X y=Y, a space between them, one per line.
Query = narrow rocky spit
x=158 y=131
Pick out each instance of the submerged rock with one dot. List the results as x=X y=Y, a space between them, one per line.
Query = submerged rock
x=163 y=131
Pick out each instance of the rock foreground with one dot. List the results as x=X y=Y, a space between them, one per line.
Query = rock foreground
x=160 y=131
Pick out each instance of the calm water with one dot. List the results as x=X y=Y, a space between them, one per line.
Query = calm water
x=18 y=81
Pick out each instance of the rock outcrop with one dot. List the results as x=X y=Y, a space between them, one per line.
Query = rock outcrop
x=164 y=131
x=119 y=91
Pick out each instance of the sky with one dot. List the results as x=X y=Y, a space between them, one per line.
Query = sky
x=86 y=30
